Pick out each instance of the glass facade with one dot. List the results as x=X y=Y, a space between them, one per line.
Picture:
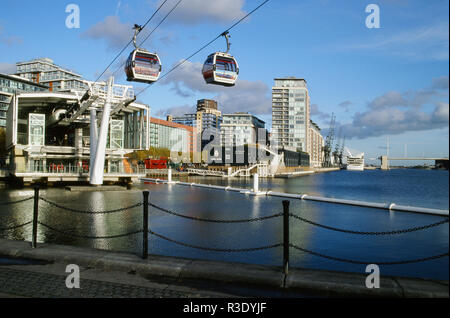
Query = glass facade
x=187 y=119
x=44 y=71
x=240 y=129
x=36 y=129
x=290 y=113
x=116 y=135
x=168 y=137
x=202 y=120
x=9 y=85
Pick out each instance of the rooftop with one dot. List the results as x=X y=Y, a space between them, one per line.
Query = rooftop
x=21 y=79
x=163 y=122
x=46 y=60
x=290 y=78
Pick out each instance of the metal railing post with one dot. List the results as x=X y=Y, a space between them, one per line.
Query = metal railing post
x=35 y=216
x=286 y=236
x=145 y=227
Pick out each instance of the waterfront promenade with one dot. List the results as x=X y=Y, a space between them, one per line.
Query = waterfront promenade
x=179 y=244
x=113 y=274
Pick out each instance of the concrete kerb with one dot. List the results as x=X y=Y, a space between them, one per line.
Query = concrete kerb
x=299 y=280
x=234 y=273
x=341 y=284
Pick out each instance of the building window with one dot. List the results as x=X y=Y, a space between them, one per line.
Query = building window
x=116 y=134
x=36 y=132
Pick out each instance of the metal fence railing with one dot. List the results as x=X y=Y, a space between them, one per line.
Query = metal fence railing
x=284 y=242
x=60 y=168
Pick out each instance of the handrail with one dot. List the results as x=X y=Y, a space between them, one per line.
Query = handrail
x=286 y=215
x=376 y=205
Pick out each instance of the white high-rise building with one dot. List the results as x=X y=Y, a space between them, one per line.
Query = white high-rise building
x=291 y=114
x=240 y=129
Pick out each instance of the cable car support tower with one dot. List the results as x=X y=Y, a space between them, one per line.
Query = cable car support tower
x=102 y=100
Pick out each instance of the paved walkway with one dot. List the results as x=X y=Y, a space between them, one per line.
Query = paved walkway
x=48 y=281
x=113 y=274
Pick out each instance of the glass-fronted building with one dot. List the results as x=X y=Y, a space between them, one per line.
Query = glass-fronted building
x=207 y=118
x=316 y=144
x=242 y=128
x=10 y=85
x=170 y=135
x=45 y=71
x=291 y=113
x=42 y=140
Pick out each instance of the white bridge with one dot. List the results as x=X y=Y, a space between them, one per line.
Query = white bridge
x=262 y=169
x=385 y=160
x=206 y=172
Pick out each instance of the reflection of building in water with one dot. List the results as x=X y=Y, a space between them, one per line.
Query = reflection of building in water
x=99 y=221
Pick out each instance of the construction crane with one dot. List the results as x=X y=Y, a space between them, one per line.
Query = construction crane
x=341 y=153
x=337 y=148
x=329 y=144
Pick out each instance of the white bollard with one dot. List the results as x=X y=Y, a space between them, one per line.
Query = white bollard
x=255 y=183
x=169 y=175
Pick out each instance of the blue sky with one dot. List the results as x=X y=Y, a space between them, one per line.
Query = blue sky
x=391 y=81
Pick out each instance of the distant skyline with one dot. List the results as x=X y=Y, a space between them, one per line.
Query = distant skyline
x=392 y=81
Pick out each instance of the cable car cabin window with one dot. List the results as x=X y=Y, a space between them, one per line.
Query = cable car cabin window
x=128 y=67
x=208 y=66
x=209 y=60
x=225 y=64
x=146 y=65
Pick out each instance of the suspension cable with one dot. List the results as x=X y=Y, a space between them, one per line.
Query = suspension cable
x=203 y=47
x=154 y=29
x=120 y=53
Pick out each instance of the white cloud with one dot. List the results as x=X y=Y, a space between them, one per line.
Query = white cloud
x=440 y=83
x=175 y=111
x=7 y=68
x=317 y=113
x=198 y=11
x=9 y=40
x=441 y=112
x=247 y=96
x=422 y=43
x=395 y=113
x=388 y=99
x=115 y=33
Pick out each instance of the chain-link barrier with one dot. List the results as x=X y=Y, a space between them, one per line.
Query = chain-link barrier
x=228 y=250
x=413 y=229
x=87 y=236
x=368 y=262
x=89 y=211
x=15 y=227
x=216 y=220
x=16 y=202
x=286 y=244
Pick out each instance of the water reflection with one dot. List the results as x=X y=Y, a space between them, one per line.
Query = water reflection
x=218 y=204
x=99 y=221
